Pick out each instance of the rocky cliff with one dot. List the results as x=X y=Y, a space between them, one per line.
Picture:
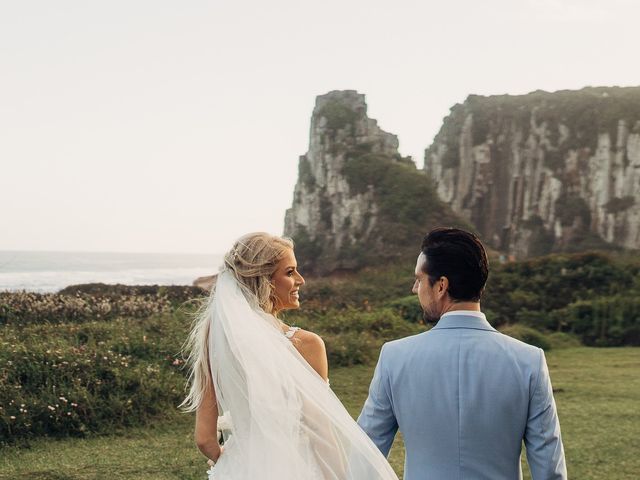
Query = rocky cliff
x=545 y=171
x=357 y=200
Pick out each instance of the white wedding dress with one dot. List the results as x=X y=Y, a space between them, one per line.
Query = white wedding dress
x=286 y=423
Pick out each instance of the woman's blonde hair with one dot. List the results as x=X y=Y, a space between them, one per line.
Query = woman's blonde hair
x=252 y=261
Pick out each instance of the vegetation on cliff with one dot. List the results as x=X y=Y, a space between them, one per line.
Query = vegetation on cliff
x=408 y=206
x=338 y=115
x=543 y=172
x=583 y=113
x=352 y=161
x=405 y=207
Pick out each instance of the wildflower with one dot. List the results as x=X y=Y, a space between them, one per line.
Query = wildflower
x=51 y=408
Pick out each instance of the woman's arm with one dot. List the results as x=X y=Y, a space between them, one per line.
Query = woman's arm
x=206 y=434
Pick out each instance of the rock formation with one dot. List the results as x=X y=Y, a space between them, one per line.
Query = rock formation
x=357 y=200
x=206 y=283
x=545 y=171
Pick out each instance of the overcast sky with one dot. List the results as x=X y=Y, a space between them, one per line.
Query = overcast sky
x=176 y=126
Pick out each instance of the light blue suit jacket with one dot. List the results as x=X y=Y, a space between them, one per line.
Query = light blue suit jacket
x=464 y=397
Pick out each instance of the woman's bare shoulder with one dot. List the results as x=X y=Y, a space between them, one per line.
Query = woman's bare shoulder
x=307 y=336
x=312 y=348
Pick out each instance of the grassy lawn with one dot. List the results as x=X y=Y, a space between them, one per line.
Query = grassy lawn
x=597 y=392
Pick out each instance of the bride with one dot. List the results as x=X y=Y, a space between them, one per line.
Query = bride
x=268 y=379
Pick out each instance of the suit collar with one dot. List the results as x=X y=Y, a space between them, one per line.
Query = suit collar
x=464 y=319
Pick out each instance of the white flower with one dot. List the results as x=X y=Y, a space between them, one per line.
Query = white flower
x=224 y=423
x=211 y=474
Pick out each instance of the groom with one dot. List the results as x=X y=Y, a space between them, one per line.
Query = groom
x=463 y=395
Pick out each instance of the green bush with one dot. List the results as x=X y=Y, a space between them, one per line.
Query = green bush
x=560 y=340
x=617 y=205
x=351 y=348
x=83 y=303
x=545 y=284
x=175 y=294
x=572 y=207
x=338 y=115
x=368 y=288
x=354 y=336
x=408 y=308
x=605 y=321
x=74 y=379
x=527 y=335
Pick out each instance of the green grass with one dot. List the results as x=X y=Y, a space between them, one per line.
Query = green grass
x=598 y=398
x=597 y=392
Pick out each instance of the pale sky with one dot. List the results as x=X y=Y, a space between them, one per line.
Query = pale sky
x=176 y=126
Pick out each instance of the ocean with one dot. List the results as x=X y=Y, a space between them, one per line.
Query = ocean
x=52 y=271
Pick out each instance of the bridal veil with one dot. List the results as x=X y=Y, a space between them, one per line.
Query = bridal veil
x=286 y=421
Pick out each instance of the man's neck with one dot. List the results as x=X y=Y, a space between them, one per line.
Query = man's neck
x=468 y=306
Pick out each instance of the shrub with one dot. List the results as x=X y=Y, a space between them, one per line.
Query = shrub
x=91 y=302
x=527 y=335
x=338 y=115
x=75 y=379
x=560 y=340
x=175 y=294
x=351 y=348
x=605 y=321
x=543 y=285
x=355 y=336
x=370 y=287
x=408 y=308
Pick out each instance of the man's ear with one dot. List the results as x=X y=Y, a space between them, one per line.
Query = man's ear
x=443 y=286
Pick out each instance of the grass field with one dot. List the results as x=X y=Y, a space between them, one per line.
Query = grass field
x=597 y=392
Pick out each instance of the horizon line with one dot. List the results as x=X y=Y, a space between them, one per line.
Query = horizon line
x=127 y=252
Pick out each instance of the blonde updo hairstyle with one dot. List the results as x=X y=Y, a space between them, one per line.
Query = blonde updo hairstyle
x=252 y=261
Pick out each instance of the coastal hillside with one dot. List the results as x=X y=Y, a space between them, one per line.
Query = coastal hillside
x=357 y=201
x=544 y=172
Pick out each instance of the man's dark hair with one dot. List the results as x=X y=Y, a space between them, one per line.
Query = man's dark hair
x=459 y=256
